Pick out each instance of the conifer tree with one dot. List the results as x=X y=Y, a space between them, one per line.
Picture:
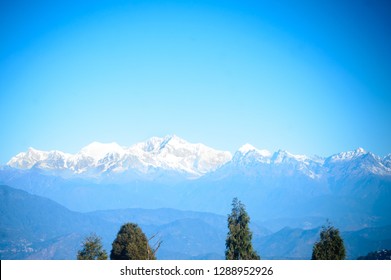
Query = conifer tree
x=92 y=249
x=131 y=244
x=330 y=246
x=238 y=243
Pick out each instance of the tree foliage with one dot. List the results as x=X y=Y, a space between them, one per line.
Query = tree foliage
x=238 y=243
x=131 y=244
x=330 y=246
x=92 y=249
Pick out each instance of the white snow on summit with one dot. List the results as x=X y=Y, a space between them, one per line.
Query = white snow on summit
x=348 y=155
x=167 y=153
x=387 y=161
x=282 y=156
x=40 y=159
x=173 y=155
x=246 y=148
x=172 y=152
x=98 y=150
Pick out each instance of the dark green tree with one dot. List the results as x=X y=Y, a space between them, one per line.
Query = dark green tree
x=92 y=249
x=330 y=246
x=238 y=243
x=131 y=244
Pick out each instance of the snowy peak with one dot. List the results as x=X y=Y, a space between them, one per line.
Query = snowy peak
x=387 y=161
x=97 y=150
x=247 y=148
x=174 y=141
x=248 y=155
x=358 y=161
x=174 y=153
x=33 y=158
x=157 y=144
x=282 y=156
x=360 y=150
x=154 y=144
x=345 y=156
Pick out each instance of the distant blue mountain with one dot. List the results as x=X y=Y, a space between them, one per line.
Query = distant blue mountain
x=35 y=227
x=32 y=227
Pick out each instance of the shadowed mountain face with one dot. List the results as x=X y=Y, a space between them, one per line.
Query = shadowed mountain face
x=32 y=227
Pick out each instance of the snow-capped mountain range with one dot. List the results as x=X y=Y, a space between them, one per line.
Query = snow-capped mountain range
x=174 y=154
x=352 y=188
x=167 y=153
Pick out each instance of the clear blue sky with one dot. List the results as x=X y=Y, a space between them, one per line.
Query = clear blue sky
x=311 y=77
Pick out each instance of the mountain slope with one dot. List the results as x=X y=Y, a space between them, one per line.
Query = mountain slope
x=29 y=223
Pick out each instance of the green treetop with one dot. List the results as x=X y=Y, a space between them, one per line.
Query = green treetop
x=131 y=244
x=238 y=242
x=330 y=246
x=92 y=249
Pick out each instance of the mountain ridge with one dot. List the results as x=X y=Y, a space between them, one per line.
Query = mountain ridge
x=155 y=156
x=167 y=153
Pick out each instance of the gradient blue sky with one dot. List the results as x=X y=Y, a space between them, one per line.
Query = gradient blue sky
x=311 y=77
